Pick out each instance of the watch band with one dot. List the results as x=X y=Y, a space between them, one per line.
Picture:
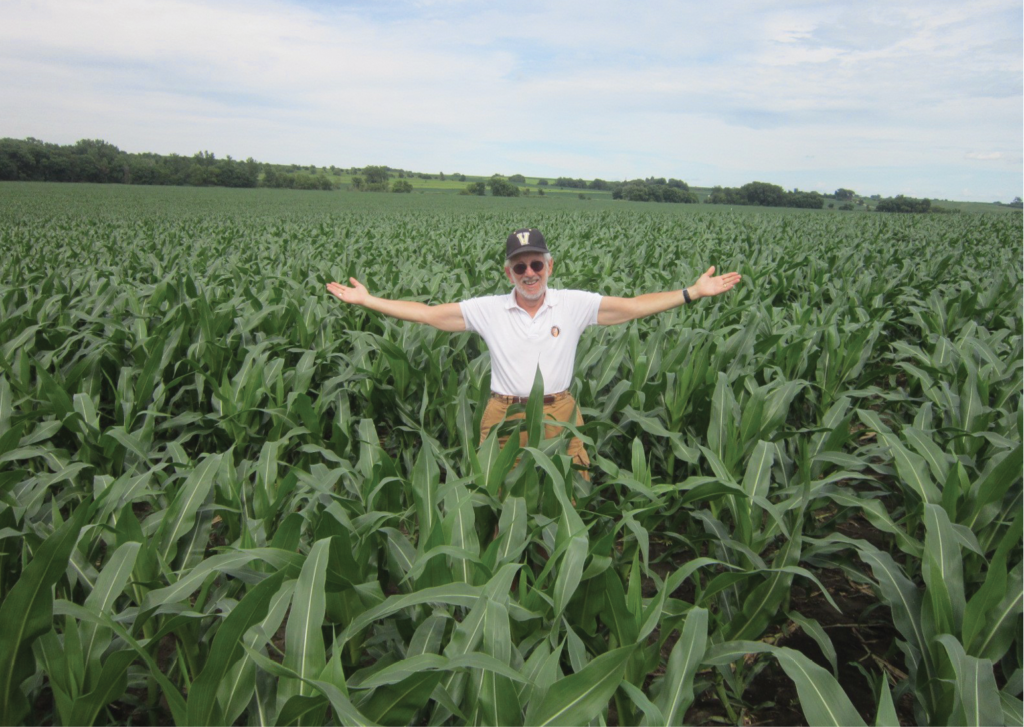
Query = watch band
x=686 y=295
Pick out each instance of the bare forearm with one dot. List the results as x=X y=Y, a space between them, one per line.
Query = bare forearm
x=651 y=303
x=620 y=310
x=406 y=310
x=445 y=317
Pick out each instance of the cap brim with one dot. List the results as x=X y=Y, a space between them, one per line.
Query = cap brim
x=526 y=248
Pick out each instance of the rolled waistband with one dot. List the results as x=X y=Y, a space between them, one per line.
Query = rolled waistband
x=548 y=398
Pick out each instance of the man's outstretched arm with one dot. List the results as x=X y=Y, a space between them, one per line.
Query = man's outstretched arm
x=446 y=317
x=620 y=310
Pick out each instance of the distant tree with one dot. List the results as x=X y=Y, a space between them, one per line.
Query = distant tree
x=460 y=177
x=376 y=175
x=763 y=194
x=726 y=195
x=599 y=184
x=804 y=200
x=652 y=190
x=844 y=195
x=847 y=207
x=401 y=186
x=540 y=192
x=902 y=204
x=477 y=188
x=517 y=179
x=502 y=187
x=542 y=182
x=570 y=183
x=358 y=183
x=441 y=176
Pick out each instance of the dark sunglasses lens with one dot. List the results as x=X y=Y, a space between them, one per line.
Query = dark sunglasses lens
x=535 y=265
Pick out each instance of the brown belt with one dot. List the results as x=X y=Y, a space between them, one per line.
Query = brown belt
x=548 y=398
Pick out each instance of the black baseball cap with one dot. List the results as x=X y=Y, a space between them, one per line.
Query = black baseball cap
x=524 y=239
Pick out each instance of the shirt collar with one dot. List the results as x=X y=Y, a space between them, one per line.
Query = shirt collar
x=551 y=298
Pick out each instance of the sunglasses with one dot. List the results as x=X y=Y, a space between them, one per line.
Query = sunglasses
x=535 y=265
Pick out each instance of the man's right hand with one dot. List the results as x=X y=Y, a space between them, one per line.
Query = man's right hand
x=356 y=295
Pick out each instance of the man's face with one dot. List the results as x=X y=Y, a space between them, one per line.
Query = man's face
x=530 y=284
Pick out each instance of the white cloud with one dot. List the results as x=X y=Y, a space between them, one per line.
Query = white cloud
x=984 y=155
x=596 y=88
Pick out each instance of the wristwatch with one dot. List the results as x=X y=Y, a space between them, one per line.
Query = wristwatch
x=686 y=295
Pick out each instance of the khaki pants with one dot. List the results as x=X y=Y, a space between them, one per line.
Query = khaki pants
x=560 y=411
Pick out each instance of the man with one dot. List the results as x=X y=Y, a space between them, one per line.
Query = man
x=534 y=327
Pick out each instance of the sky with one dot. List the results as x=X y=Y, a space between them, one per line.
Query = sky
x=879 y=96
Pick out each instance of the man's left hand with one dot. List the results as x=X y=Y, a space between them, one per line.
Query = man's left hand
x=707 y=286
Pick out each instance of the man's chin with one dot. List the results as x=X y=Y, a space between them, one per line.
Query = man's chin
x=532 y=296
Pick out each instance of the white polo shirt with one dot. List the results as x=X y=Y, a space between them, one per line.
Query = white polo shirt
x=519 y=343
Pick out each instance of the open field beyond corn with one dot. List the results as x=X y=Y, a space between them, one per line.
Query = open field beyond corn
x=227 y=498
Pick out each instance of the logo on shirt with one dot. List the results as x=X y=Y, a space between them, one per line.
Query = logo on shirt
x=555 y=331
x=524 y=238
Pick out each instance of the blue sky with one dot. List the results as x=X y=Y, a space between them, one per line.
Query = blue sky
x=916 y=98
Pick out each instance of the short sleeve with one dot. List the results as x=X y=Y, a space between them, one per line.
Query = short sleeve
x=585 y=307
x=474 y=314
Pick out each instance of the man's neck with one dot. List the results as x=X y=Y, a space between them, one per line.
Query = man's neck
x=530 y=306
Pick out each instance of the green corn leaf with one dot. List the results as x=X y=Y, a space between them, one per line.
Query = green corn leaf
x=111 y=684
x=427 y=639
x=6 y=404
x=913 y=469
x=535 y=411
x=942 y=569
x=496 y=460
x=456 y=594
x=676 y=694
x=304 y=643
x=236 y=689
x=761 y=606
x=822 y=700
x=652 y=715
x=977 y=695
x=109 y=586
x=511 y=529
x=459 y=528
x=26 y=613
x=302 y=710
x=344 y=710
x=723 y=416
x=757 y=478
x=812 y=628
x=226 y=649
x=580 y=697
x=425 y=478
x=886 y=715
x=938 y=461
x=397 y=704
x=1013 y=709
x=995 y=638
x=180 y=515
x=192 y=580
x=498 y=699
x=993 y=486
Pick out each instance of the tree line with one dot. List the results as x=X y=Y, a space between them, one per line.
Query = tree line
x=764 y=194
x=99 y=162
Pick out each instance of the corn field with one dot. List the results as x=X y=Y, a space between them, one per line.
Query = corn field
x=227 y=498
